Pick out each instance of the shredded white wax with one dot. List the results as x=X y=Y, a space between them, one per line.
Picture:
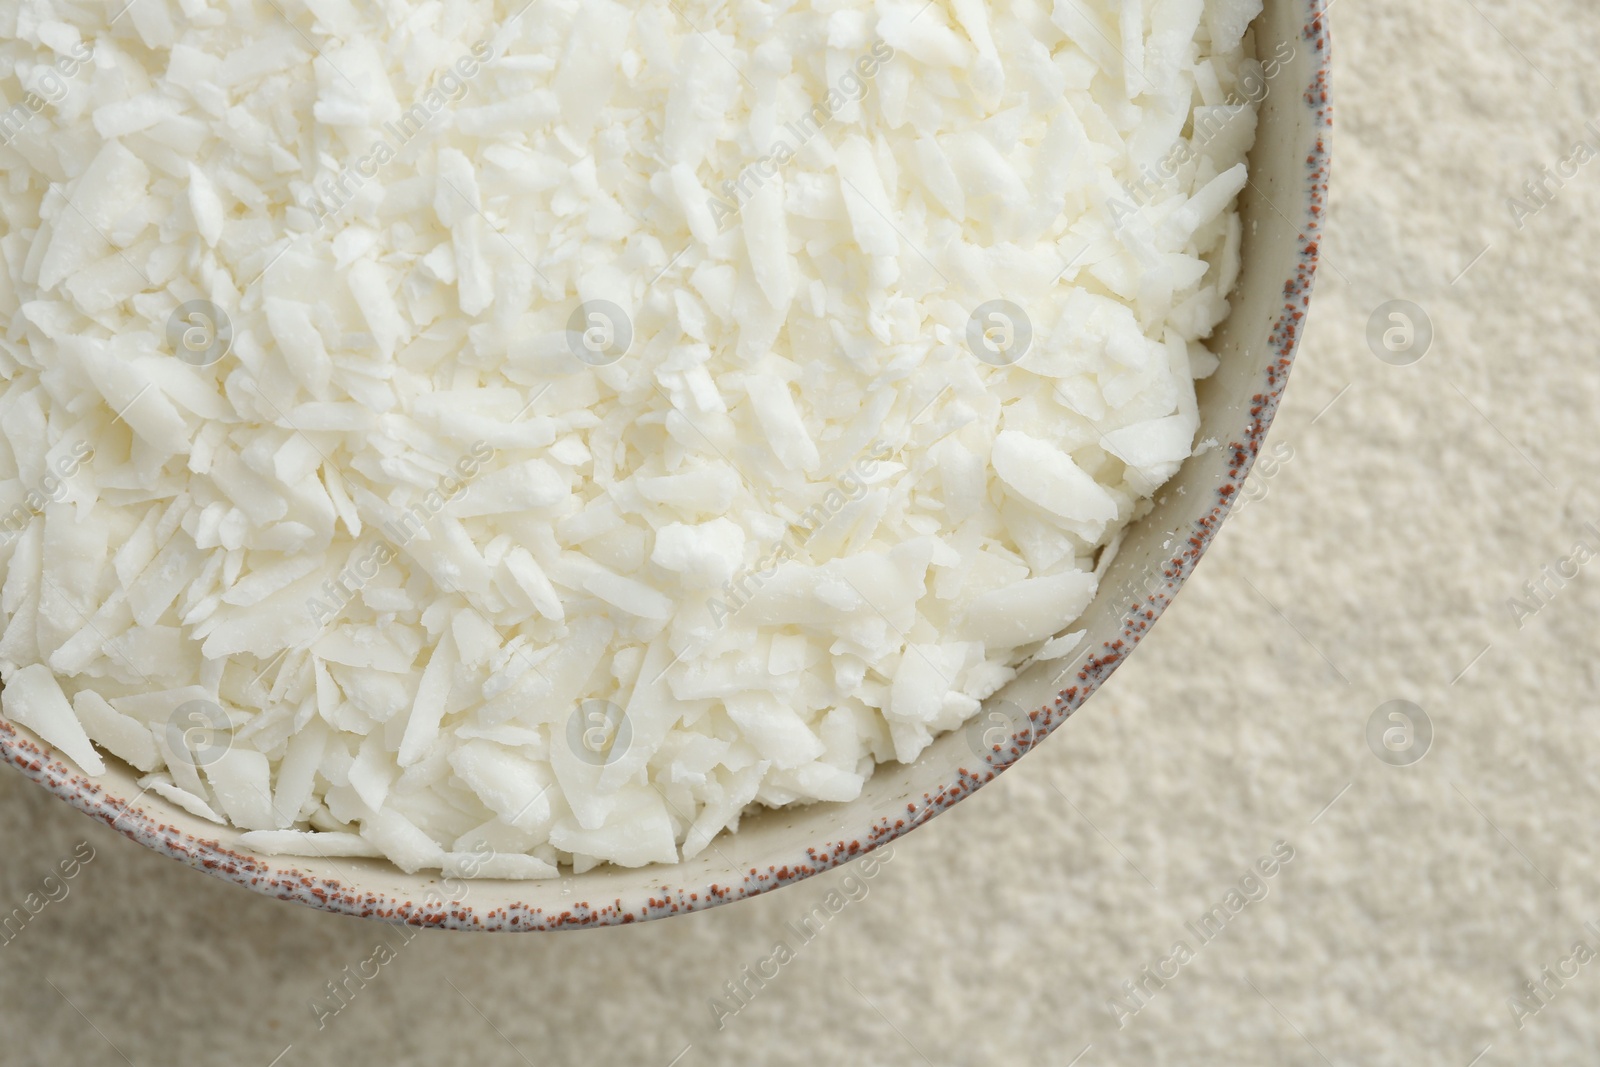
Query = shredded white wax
x=542 y=432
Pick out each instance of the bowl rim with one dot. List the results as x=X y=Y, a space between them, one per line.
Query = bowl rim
x=280 y=877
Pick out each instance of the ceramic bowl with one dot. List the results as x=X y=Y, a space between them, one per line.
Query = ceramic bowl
x=1283 y=210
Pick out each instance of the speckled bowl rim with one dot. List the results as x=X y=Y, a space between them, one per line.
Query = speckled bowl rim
x=154 y=823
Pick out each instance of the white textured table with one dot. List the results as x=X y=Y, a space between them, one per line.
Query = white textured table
x=1378 y=566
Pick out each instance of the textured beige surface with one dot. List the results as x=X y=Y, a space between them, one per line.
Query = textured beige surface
x=1377 y=566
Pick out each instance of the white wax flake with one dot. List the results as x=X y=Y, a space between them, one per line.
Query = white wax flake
x=32 y=697
x=780 y=421
x=1030 y=610
x=513 y=787
x=241 y=780
x=766 y=235
x=1047 y=477
x=122 y=736
x=205 y=205
x=705 y=553
x=866 y=200
x=422 y=727
x=481 y=450
x=1155 y=446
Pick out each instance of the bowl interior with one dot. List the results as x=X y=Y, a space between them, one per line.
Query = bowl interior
x=1282 y=210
